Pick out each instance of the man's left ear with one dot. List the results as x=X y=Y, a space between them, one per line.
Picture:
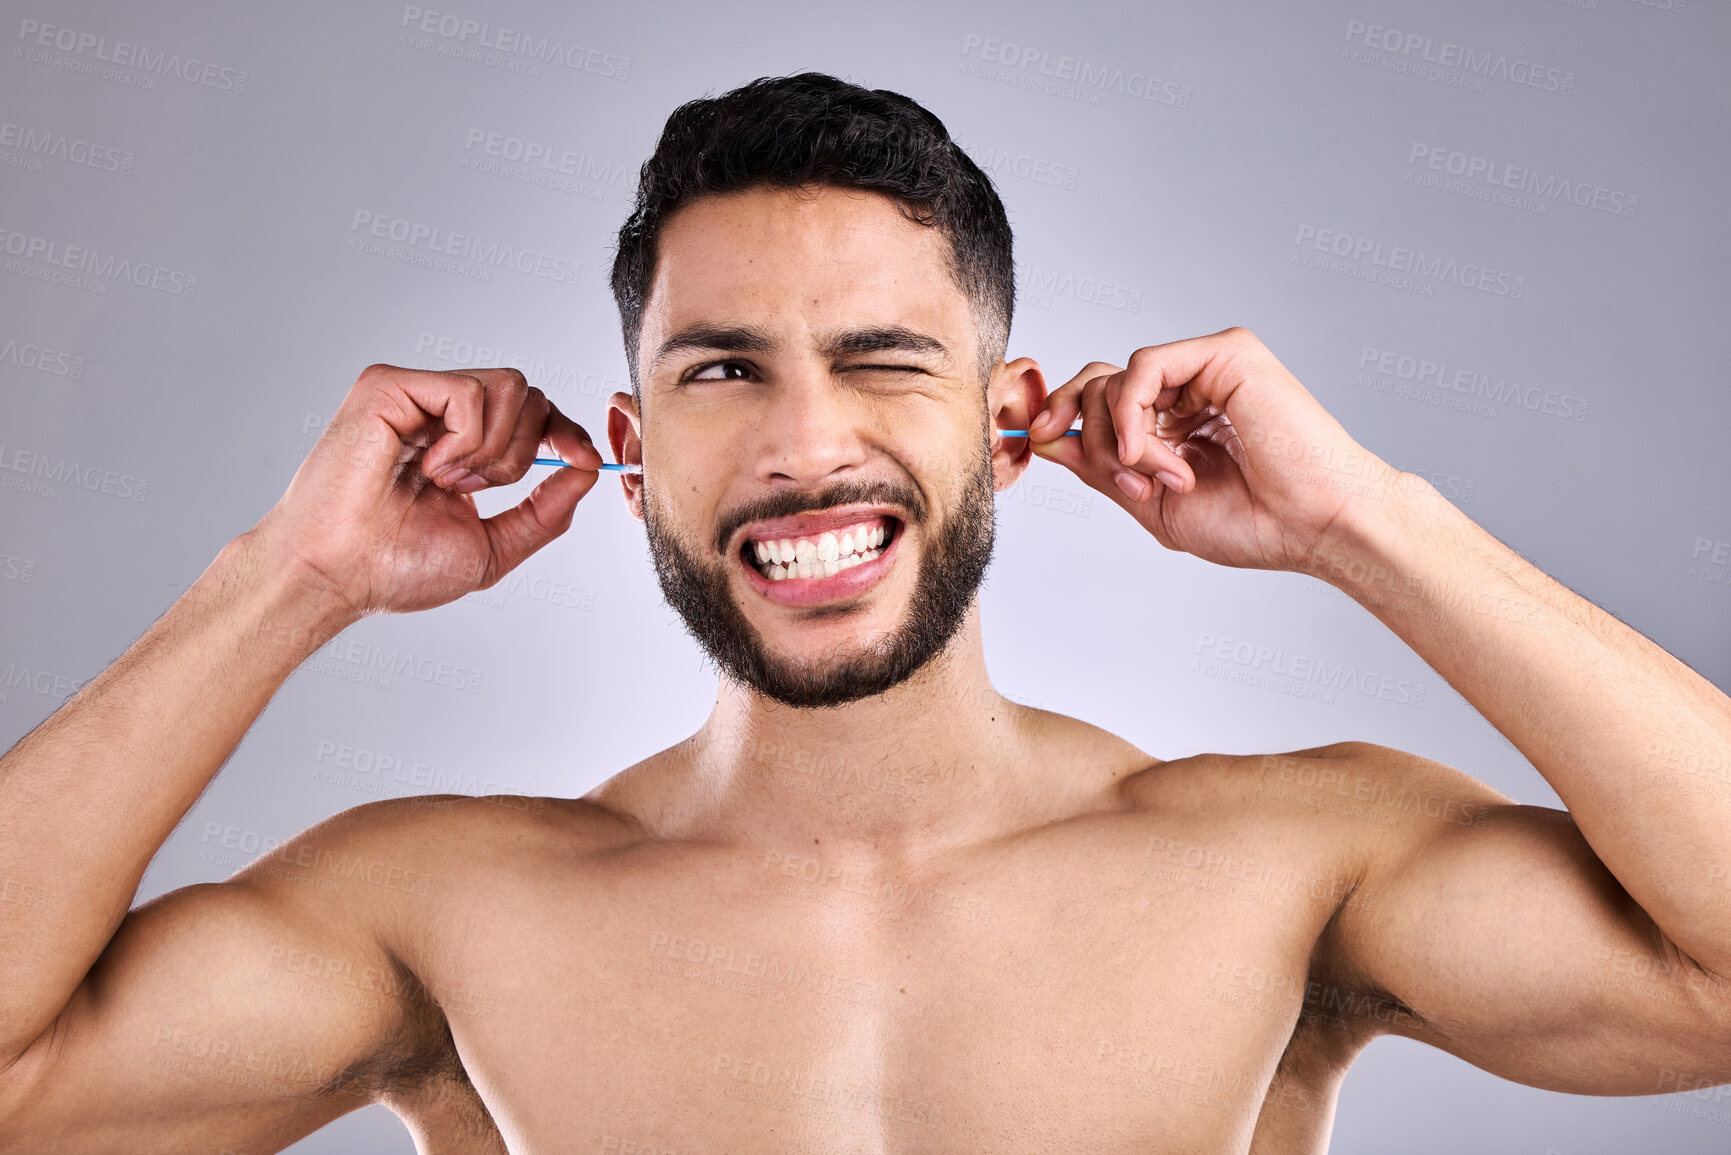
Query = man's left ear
x=1017 y=392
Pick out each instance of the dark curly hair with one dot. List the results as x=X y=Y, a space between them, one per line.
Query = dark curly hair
x=814 y=129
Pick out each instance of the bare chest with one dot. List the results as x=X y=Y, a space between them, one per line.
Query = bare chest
x=782 y=1001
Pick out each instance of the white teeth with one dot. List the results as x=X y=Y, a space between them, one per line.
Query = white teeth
x=825 y=557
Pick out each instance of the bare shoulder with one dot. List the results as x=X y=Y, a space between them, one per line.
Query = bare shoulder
x=1350 y=793
x=1352 y=785
x=1083 y=746
x=408 y=846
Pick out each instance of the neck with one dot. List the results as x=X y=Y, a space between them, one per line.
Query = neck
x=939 y=761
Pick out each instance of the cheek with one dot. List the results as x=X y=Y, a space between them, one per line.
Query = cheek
x=670 y=508
x=939 y=466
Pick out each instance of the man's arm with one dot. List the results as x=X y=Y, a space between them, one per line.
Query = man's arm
x=1505 y=931
x=1587 y=951
x=181 y=1012
x=88 y=798
x=1635 y=743
x=1491 y=930
x=241 y=1015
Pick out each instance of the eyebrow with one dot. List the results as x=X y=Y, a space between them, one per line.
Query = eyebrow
x=884 y=338
x=717 y=338
x=751 y=339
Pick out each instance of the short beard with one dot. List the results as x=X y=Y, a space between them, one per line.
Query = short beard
x=951 y=569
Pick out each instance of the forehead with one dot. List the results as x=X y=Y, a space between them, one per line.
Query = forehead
x=814 y=259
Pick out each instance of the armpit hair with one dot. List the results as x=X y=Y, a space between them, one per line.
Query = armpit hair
x=419 y=1065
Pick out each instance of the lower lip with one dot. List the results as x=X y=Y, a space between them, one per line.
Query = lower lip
x=817 y=591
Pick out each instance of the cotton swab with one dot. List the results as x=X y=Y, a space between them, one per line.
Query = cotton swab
x=615 y=466
x=633 y=468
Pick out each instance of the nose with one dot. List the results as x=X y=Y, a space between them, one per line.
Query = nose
x=809 y=433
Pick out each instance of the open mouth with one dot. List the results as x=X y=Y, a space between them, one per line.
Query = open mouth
x=821 y=558
x=784 y=557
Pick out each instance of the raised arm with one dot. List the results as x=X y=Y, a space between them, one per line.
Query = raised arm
x=1584 y=951
x=1588 y=951
x=93 y=999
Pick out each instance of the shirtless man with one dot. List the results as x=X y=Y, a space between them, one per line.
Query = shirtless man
x=1009 y=931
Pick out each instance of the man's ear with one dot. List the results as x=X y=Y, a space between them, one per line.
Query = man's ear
x=625 y=435
x=1016 y=393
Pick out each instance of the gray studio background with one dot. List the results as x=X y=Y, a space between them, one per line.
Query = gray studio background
x=1240 y=163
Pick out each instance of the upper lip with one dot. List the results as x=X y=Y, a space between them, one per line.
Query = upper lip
x=815 y=522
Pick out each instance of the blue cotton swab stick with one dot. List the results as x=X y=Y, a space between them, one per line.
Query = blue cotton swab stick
x=639 y=469
x=615 y=466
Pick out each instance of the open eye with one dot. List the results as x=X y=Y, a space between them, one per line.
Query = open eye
x=721 y=371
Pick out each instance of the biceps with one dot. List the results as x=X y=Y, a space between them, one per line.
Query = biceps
x=218 y=1016
x=1519 y=951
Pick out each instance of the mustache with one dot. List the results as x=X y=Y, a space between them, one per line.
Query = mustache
x=904 y=494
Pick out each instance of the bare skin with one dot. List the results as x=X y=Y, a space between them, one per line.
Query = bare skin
x=930 y=920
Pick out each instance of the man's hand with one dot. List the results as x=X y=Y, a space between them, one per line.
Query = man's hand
x=380 y=510
x=1213 y=446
